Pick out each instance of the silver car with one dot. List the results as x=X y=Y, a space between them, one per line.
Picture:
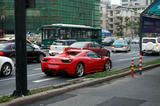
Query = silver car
x=6 y=66
x=121 y=45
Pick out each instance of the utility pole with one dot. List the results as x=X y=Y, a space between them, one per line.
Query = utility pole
x=20 y=43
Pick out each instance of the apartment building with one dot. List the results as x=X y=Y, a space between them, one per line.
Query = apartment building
x=116 y=14
x=104 y=4
x=136 y=2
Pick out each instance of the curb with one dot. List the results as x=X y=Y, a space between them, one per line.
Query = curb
x=47 y=94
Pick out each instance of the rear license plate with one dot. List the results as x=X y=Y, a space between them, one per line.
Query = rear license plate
x=118 y=46
x=148 y=52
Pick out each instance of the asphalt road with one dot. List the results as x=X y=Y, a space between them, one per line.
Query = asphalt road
x=138 y=91
x=38 y=79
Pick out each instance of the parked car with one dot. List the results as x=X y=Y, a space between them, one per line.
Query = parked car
x=75 y=62
x=101 y=51
x=150 y=45
x=59 y=46
x=135 y=40
x=6 y=40
x=6 y=66
x=108 y=41
x=121 y=45
x=8 y=50
x=12 y=40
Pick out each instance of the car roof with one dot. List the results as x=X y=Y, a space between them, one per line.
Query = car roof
x=78 y=50
x=67 y=40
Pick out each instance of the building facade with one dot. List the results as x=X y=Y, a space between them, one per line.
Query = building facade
x=123 y=15
x=104 y=4
x=136 y=2
x=129 y=10
x=81 y=12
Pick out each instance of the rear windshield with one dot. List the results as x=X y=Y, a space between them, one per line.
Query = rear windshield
x=3 y=41
x=120 y=42
x=3 y=46
x=72 y=53
x=149 y=40
x=78 y=45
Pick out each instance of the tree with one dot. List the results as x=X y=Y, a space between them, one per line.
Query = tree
x=119 y=27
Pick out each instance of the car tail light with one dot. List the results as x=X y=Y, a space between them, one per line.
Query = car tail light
x=66 y=60
x=1 y=53
x=113 y=46
x=124 y=46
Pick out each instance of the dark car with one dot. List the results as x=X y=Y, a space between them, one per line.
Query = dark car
x=91 y=46
x=108 y=41
x=6 y=40
x=8 y=50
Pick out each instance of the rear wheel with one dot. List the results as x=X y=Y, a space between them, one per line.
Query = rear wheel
x=107 y=66
x=49 y=73
x=79 y=70
x=6 y=69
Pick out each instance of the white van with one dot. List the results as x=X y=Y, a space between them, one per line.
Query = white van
x=150 y=45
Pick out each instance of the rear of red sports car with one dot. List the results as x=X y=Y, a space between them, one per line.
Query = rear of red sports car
x=67 y=62
x=62 y=63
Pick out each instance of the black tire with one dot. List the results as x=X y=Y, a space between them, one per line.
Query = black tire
x=40 y=57
x=79 y=72
x=49 y=74
x=107 y=66
x=108 y=54
x=6 y=69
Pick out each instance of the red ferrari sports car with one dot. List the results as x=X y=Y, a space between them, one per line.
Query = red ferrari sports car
x=75 y=62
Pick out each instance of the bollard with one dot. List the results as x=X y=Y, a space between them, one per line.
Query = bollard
x=132 y=68
x=140 y=63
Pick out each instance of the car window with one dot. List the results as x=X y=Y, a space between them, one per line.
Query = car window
x=97 y=45
x=29 y=48
x=120 y=42
x=149 y=40
x=158 y=40
x=92 y=54
x=78 y=45
x=92 y=45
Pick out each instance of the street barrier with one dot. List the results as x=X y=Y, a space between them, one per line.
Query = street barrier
x=132 y=68
x=140 y=63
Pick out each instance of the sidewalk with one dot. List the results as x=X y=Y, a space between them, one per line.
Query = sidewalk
x=138 y=91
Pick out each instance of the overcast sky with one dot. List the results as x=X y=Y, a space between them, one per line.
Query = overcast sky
x=115 y=1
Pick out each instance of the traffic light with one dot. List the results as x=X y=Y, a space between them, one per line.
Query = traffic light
x=30 y=3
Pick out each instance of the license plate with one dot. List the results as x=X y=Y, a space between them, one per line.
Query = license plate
x=148 y=52
x=118 y=46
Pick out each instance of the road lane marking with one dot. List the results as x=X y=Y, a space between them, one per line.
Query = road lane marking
x=27 y=76
x=42 y=80
x=127 y=59
x=37 y=69
x=35 y=74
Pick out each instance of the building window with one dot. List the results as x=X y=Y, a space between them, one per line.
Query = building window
x=124 y=0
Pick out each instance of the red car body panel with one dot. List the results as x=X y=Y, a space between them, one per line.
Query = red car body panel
x=55 y=64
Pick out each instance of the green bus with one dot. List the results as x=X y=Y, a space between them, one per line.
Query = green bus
x=54 y=32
